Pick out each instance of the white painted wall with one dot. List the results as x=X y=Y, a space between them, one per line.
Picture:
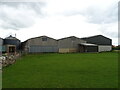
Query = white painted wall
x=104 y=48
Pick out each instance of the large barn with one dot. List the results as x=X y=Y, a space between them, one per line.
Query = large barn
x=70 y=44
x=103 y=43
x=40 y=44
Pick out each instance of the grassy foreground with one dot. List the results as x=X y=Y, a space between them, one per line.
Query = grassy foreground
x=80 y=70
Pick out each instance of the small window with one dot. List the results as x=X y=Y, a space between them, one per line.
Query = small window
x=44 y=39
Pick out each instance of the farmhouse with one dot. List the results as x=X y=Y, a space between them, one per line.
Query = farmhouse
x=103 y=43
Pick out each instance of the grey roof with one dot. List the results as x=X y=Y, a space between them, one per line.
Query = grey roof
x=88 y=44
x=10 y=37
x=39 y=37
x=94 y=36
x=68 y=37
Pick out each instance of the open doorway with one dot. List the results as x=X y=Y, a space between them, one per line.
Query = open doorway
x=82 y=48
x=11 y=49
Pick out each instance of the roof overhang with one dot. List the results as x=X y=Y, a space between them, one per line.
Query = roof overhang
x=88 y=44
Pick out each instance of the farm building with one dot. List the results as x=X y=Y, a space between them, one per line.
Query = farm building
x=88 y=47
x=11 y=44
x=40 y=44
x=104 y=43
x=1 y=44
x=70 y=44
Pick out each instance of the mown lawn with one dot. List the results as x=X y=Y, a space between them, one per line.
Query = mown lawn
x=79 y=70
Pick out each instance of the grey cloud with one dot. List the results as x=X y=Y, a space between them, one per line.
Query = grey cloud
x=110 y=30
x=16 y=24
x=31 y=5
x=103 y=17
x=16 y=15
x=111 y=34
x=97 y=15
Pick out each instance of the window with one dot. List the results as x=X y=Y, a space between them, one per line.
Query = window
x=44 y=39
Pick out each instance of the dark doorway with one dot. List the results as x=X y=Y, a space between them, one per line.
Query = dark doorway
x=11 y=49
x=88 y=48
x=82 y=48
x=92 y=48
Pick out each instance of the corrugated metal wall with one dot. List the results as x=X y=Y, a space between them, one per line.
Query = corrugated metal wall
x=39 y=41
x=70 y=43
x=91 y=48
x=39 y=49
x=99 y=40
x=104 y=48
x=67 y=50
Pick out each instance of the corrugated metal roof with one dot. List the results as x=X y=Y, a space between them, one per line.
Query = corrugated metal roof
x=10 y=37
x=39 y=37
x=69 y=37
x=88 y=44
x=94 y=37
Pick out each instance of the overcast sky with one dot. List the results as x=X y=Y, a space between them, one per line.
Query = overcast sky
x=59 y=18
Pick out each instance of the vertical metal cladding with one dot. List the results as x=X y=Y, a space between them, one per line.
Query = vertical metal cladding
x=12 y=41
x=69 y=44
x=98 y=39
x=102 y=48
x=40 y=49
x=104 y=43
x=41 y=44
x=92 y=48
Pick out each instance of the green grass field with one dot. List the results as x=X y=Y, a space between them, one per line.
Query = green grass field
x=79 y=70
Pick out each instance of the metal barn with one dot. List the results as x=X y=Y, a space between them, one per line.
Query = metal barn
x=104 y=43
x=40 y=44
x=69 y=44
